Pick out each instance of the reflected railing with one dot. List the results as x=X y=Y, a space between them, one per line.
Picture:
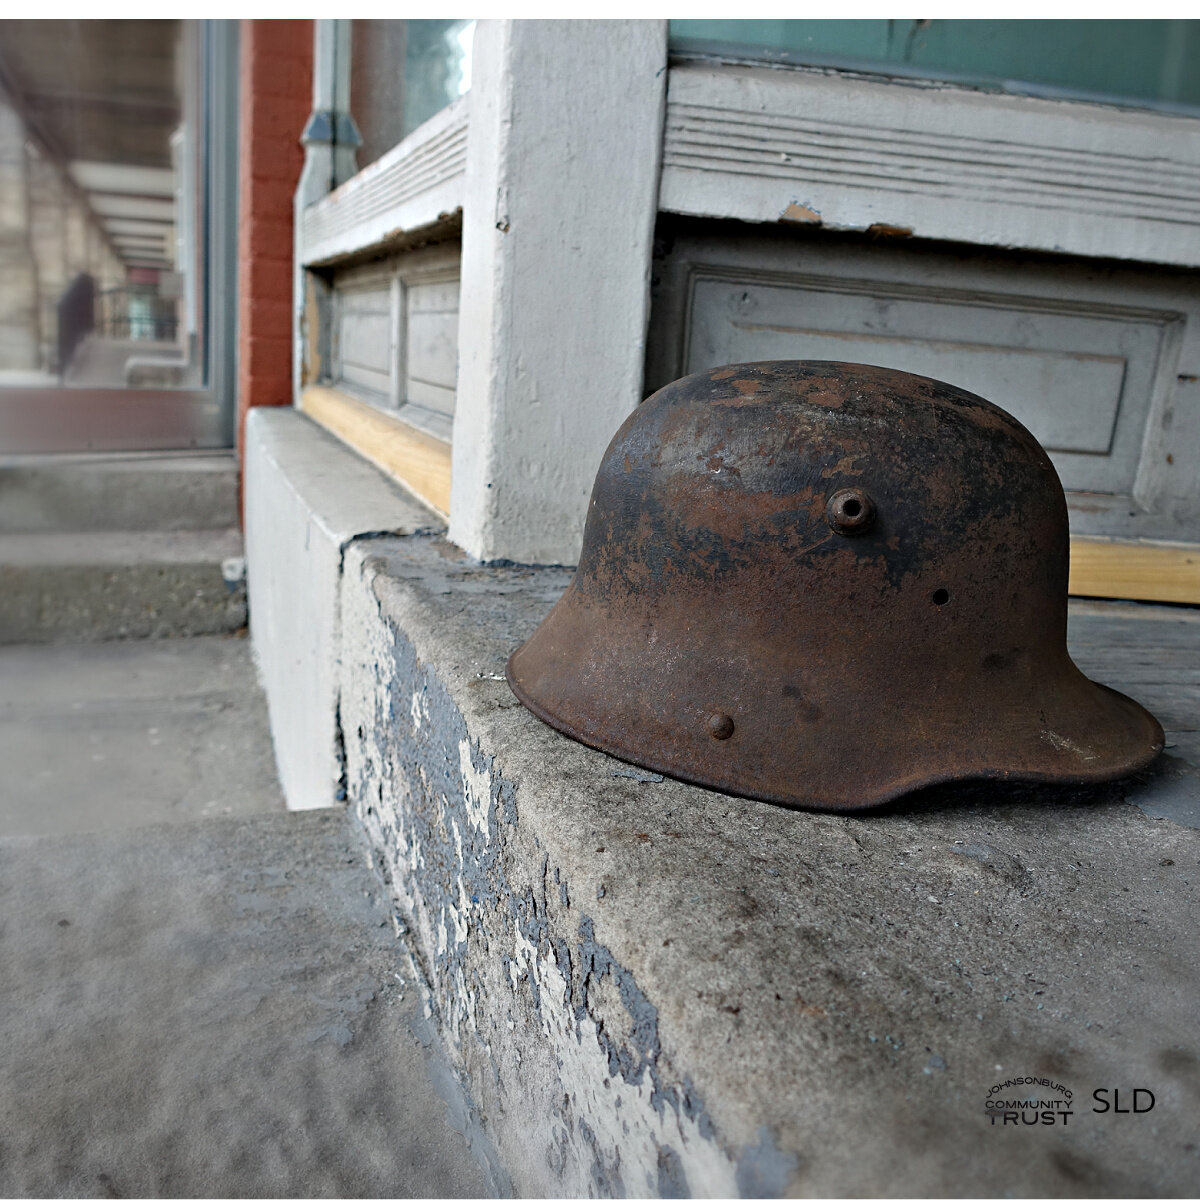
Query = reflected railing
x=136 y=314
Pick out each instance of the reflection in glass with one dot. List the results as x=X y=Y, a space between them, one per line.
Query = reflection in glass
x=1142 y=63
x=98 y=203
x=401 y=74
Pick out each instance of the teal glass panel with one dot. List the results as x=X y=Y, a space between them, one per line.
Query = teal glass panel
x=401 y=74
x=437 y=67
x=1152 y=64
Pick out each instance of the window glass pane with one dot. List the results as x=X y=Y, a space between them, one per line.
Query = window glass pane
x=401 y=73
x=1144 y=63
x=99 y=163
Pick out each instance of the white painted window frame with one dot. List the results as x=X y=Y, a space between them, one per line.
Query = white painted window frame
x=412 y=195
x=342 y=214
x=539 y=308
x=419 y=183
x=752 y=143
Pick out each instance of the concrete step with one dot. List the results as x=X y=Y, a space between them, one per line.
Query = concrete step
x=100 y=586
x=118 y=492
x=219 y=1009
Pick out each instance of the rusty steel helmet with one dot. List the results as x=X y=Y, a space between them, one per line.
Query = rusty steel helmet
x=825 y=585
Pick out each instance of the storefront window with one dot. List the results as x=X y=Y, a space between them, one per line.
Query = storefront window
x=97 y=150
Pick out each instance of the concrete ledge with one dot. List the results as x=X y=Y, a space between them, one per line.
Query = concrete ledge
x=307 y=499
x=656 y=989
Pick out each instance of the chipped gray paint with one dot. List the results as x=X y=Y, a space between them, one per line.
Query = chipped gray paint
x=510 y=961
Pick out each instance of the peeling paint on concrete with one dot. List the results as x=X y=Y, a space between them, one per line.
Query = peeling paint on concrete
x=523 y=989
x=764 y=1169
x=477 y=791
x=796 y=213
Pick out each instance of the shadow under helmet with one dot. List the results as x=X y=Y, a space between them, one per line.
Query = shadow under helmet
x=825 y=585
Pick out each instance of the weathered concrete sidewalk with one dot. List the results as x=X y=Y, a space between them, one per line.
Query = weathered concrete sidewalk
x=216 y=1009
x=200 y=994
x=108 y=735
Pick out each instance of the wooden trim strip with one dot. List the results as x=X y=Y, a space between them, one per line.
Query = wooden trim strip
x=412 y=457
x=1129 y=570
x=1105 y=568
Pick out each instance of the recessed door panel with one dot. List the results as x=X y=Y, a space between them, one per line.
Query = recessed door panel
x=1080 y=381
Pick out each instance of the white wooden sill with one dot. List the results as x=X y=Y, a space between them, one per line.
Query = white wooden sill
x=416 y=184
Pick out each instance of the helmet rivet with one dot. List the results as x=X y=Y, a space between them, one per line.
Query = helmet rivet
x=850 y=511
x=721 y=726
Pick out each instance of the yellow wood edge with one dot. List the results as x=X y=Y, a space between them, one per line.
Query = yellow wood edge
x=411 y=456
x=1128 y=570
x=1101 y=567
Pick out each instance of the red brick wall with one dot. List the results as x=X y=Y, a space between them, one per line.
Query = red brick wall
x=276 y=97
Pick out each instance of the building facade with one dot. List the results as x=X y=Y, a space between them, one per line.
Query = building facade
x=506 y=235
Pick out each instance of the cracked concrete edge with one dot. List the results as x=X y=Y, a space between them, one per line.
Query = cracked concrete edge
x=556 y=1036
x=302 y=535
x=345 y=496
x=567 y=1074
x=308 y=498
x=447 y=1082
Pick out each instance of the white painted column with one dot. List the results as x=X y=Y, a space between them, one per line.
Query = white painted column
x=563 y=156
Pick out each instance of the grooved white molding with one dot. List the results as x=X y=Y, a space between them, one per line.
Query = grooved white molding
x=947 y=163
x=411 y=186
